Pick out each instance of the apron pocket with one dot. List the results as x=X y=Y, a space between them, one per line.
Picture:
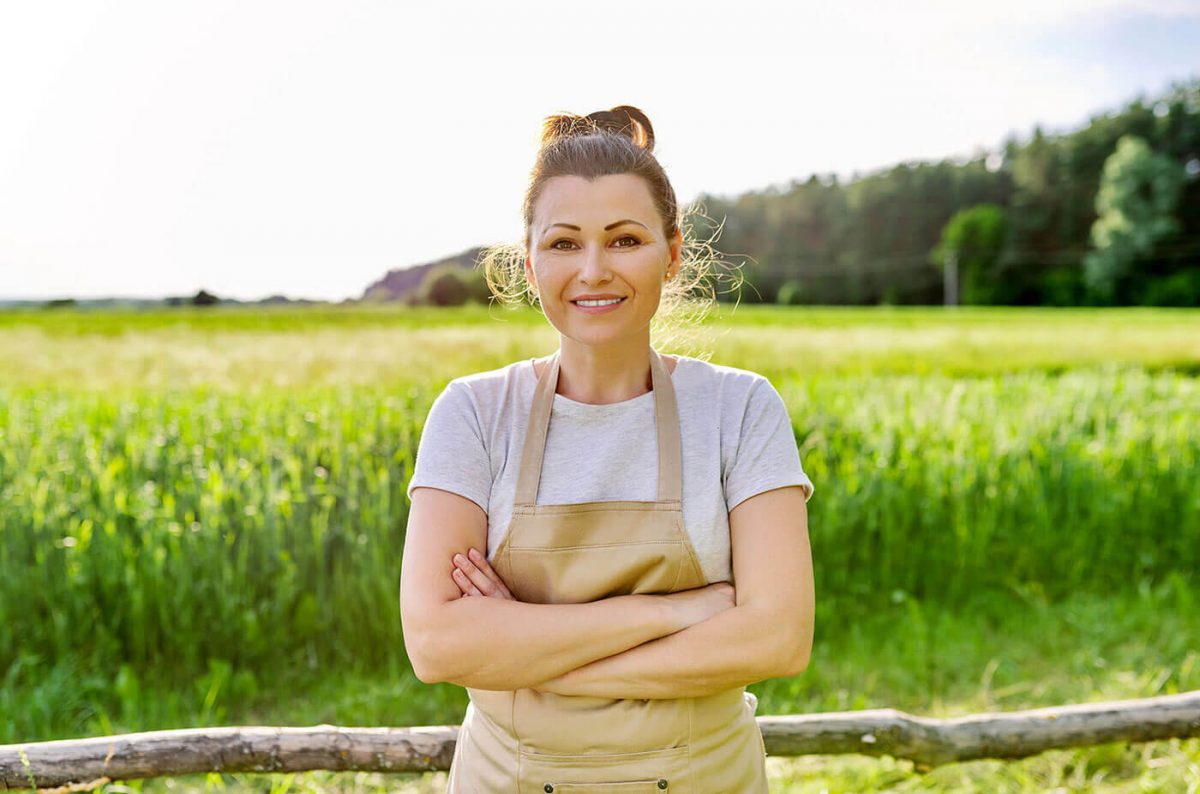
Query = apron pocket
x=646 y=772
x=626 y=787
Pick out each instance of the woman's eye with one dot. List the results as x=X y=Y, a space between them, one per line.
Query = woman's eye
x=628 y=241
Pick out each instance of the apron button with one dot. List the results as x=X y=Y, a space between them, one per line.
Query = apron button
x=662 y=784
x=548 y=788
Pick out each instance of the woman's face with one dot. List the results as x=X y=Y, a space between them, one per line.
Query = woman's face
x=600 y=239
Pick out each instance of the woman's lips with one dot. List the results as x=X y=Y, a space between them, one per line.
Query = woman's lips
x=600 y=309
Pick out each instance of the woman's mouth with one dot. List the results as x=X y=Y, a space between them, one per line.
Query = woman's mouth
x=598 y=306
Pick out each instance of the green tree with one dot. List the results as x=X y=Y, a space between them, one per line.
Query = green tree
x=1139 y=190
x=453 y=285
x=205 y=298
x=444 y=287
x=791 y=293
x=975 y=237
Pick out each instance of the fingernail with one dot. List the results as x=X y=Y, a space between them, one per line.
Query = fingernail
x=474 y=554
x=458 y=558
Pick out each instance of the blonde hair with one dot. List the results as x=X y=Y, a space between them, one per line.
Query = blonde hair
x=603 y=143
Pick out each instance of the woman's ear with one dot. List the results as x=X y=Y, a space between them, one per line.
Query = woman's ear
x=529 y=275
x=676 y=248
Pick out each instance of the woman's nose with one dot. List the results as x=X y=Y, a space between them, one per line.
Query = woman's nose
x=595 y=266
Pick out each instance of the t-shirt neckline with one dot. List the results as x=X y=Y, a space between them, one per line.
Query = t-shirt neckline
x=566 y=403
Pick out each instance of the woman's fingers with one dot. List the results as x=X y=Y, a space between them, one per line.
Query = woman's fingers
x=482 y=563
x=467 y=587
x=475 y=577
x=477 y=580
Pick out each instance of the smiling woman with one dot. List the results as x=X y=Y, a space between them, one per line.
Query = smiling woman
x=570 y=162
x=606 y=545
x=600 y=283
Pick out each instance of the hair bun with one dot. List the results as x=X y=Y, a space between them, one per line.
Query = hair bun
x=625 y=120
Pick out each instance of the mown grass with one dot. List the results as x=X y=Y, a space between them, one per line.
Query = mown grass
x=202 y=513
x=239 y=350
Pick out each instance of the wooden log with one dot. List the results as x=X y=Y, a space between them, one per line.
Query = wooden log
x=927 y=742
x=236 y=749
x=1016 y=734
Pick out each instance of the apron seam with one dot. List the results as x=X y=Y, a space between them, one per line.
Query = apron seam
x=686 y=539
x=597 y=545
x=512 y=716
x=678 y=574
x=520 y=758
x=604 y=506
x=691 y=730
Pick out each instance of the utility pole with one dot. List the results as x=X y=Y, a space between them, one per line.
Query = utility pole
x=950 y=281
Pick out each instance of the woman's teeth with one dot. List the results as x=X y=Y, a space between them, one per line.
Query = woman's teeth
x=608 y=302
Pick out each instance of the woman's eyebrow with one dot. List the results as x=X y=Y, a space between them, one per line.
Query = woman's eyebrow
x=609 y=227
x=627 y=220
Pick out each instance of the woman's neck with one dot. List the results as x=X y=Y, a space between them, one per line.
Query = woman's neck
x=610 y=374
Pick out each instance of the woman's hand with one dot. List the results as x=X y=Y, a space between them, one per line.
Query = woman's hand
x=475 y=577
x=701 y=603
x=688 y=607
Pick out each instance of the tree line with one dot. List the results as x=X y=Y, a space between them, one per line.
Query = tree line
x=1108 y=214
x=1105 y=215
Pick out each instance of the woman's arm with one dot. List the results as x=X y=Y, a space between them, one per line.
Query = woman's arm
x=496 y=643
x=767 y=634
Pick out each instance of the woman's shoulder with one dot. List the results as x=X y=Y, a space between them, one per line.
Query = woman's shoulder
x=489 y=390
x=491 y=377
x=727 y=382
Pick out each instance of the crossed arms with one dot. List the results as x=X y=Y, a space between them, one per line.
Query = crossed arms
x=465 y=628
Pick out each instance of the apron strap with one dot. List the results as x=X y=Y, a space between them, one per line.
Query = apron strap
x=666 y=418
x=666 y=422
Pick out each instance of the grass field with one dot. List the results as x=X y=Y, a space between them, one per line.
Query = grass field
x=202 y=515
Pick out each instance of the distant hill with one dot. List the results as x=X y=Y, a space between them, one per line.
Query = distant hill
x=403 y=284
x=201 y=298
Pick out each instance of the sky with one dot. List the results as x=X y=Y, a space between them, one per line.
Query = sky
x=306 y=148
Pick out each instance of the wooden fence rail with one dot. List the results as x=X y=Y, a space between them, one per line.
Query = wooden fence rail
x=80 y=764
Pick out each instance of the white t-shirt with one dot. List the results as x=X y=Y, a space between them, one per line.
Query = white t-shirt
x=736 y=439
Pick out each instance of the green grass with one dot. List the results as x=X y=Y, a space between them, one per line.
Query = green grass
x=186 y=526
x=998 y=653
x=202 y=516
x=238 y=349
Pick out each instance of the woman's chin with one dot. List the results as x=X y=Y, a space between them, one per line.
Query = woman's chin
x=598 y=337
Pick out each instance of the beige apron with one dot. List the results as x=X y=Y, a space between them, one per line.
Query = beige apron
x=525 y=741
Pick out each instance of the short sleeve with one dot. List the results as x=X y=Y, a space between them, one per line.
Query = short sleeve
x=451 y=454
x=766 y=457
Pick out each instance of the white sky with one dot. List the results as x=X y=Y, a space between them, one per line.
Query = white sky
x=305 y=148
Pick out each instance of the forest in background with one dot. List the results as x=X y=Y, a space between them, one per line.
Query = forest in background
x=1108 y=214
x=1104 y=215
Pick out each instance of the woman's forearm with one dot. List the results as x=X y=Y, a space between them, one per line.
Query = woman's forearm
x=494 y=643
x=739 y=646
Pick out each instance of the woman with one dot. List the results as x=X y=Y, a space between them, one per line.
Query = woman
x=606 y=545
